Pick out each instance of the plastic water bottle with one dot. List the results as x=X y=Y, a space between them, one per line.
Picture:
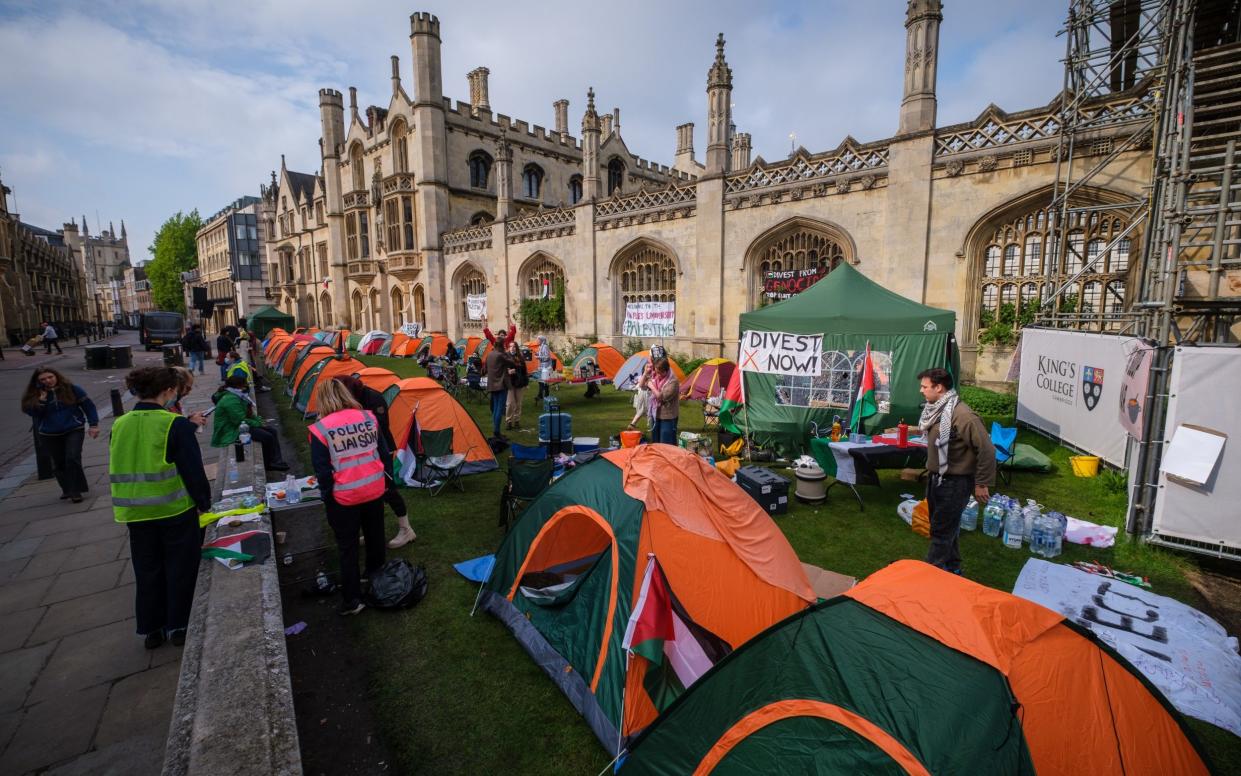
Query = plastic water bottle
x=243 y=433
x=1039 y=536
x=233 y=474
x=1057 y=524
x=1014 y=524
x=969 y=517
x=992 y=516
x=292 y=493
x=1029 y=514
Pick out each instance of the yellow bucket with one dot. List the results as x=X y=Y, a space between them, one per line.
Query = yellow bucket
x=1085 y=465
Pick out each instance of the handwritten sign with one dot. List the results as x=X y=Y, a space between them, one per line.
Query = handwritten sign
x=476 y=306
x=782 y=284
x=782 y=353
x=650 y=319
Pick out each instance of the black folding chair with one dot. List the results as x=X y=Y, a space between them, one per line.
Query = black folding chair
x=526 y=480
x=438 y=465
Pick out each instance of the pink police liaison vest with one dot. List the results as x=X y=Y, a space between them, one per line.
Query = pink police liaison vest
x=352 y=438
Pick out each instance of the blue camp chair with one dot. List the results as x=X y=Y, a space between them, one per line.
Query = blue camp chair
x=1005 y=442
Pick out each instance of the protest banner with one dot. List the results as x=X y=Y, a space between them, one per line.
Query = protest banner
x=782 y=284
x=650 y=319
x=476 y=307
x=782 y=353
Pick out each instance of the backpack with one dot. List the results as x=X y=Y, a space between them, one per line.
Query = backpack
x=397 y=585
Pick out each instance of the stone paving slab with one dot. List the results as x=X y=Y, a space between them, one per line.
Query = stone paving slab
x=96 y=656
x=20 y=669
x=55 y=730
x=78 y=614
x=17 y=628
x=134 y=756
x=101 y=551
x=16 y=596
x=84 y=581
x=54 y=525
x=99 y=533
x=138 y=702
x=42 y=564
x=21 y=548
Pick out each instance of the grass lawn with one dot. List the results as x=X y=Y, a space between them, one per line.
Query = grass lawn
x=456 y=694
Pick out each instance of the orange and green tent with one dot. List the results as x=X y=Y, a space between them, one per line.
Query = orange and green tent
x=466 y=346
x=435 y=342
x=607 y=358
x=403 y=346
x=581 y=562
x=309 y=358
x=424 y=402
x=919 y=671
x=379 y=379
x=304 y=391
x=288 y=360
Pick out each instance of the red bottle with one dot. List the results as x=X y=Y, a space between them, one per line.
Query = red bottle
x=902 y=434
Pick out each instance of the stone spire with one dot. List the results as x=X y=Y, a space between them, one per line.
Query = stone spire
x=922 y=18
x=124 y=234
x=111 y=230
x=85 y=227
x=719 y=110
x=353 y=104
x=504 y=178
x=590 y=148
x=396 y=75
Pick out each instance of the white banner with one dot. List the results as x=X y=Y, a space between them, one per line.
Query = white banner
x=476 y=306
x=1184 y=653
x=1070 y=388
x=782 y=353
x=650 y=319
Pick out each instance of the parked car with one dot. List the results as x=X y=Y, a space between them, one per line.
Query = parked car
x=160 y=328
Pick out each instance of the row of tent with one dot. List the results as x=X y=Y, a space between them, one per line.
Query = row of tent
x=676 y=617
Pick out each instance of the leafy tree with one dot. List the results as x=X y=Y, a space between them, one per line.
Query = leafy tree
x=174 y=251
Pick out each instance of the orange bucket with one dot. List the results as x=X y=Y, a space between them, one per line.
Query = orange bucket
x=630 y=438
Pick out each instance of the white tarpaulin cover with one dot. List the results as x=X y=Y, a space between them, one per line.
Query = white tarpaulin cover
x=1070 y=388
x=1187 y=655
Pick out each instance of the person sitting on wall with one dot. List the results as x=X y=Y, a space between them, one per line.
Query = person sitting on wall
x=234 y=406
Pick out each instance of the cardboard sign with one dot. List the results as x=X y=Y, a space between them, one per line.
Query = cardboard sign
x=782 y=353
x=650 y=319
x=476 y=307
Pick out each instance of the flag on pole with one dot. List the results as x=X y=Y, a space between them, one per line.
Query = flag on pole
x=732 y=401
x=659 y=630
x=865 y=405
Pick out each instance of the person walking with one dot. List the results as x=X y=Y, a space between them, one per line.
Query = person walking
x=51 y=338
x=960 y=460
x=519 y=378
x=499 y=368
x=347 y=450
x=234 y=406
x=374 y=402
x=196 y=346
x=158 y=488
x=665 y=402
x=63 y=414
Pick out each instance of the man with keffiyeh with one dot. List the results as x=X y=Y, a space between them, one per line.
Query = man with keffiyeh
x=960 y=459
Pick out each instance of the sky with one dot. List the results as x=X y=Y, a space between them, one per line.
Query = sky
x=136 y=109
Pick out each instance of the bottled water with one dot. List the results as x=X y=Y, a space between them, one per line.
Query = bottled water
x=993 y=516
x=243 y=433
x=1029 y=514
x=292 y=493
x=1057 y=524
x=1014 y=524
x=969 y=517
x=233 y=475
x=1038 y=536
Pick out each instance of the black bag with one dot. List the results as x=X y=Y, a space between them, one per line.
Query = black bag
x=398 y=585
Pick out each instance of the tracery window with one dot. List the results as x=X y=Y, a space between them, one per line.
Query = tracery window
x=575 y=189
x=355 y=167
x=646 y=273
x=376 y=309
x=480 y=169
x=532 y=181
x=356 y=323
x=616 y=176
x=472 y=282
x=804 y=247
x=541 y=276
x=325 y=310
x=420 y=306
x=400 y=148
x=481 y=218
x=1021 y=264
x=398 y=307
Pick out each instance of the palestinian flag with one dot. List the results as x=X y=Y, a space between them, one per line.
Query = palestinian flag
x=731 y=402
x=660 y=631
x=242 y=549
x=865 y=405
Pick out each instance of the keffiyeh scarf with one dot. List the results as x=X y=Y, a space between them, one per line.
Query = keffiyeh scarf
x=931 y=414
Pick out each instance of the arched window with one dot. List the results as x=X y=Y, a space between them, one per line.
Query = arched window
x=471 y=281
x=325 y=310
x=540 y=277
x=575 y=189
x=355 y=167
x=800 y=245
x=398 y=307
x=420 y=306
x=480 y=169
x=616 y=176
x=644 y=272
x=400 y=147
x=532 y=181
x=357 y=321
x=376 y=309
x=480 y=218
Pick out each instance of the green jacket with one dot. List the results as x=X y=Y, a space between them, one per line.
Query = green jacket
x=230 y=411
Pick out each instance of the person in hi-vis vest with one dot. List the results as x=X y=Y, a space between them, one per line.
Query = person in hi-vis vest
x=158 y=488
x=348 y=452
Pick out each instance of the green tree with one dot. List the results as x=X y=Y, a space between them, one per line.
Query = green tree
x=174 y=251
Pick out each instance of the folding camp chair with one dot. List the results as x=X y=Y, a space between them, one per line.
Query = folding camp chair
x=526 y=480
x=710 y=415
x=438 y=465
x=1005 y=442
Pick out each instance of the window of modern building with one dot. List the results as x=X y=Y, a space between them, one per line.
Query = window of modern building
x=480 y=169
x=575 y=189
x=645 y=273
x=532 y=181
x=616 y=176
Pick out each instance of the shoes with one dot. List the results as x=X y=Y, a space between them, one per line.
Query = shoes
x=264 y=389
x=76 y=499
x=153 y=640
x=64 y=496
x=279 y=466
x=401 y=539
x=350 y=607
x=177 y=637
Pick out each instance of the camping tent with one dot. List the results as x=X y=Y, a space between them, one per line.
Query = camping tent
x=573 y=569
x=372 y=341
x=532 y=364
x=263 y=320
x=288 y=359
x=916 y=670
x=708 y=380
x=303 y=396
x=467 y=345
x=626 y=378
x=386 y=348
x=306 y=362
x=424 y=401
x=607 y=358
x=379 y=379
x=435 y=342
x=849 y=310
x=403 y=346
x=351 y=342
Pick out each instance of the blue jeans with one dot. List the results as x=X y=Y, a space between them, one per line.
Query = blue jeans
x=196 y=358
x=665 y=431
x=499 y=401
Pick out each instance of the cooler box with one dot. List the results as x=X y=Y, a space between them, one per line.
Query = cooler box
x=769 y=489
x=556 y=426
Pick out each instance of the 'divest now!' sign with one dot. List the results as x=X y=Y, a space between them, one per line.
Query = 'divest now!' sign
x=781 y=353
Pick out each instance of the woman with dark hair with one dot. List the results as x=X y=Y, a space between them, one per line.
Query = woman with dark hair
x=373 y=401
x=519 y=378
x=60 y=410
x=158 y=489
x=234 y=406
x=665 y=402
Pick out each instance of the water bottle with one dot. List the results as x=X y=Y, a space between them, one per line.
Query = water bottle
x=1014 y=523
x=969 y=517
x=1029 y=514
x=243 y=433
x=992 y=517
x=1057 y=524
x=233 y=475
x=292 y=493
x=1038 y=536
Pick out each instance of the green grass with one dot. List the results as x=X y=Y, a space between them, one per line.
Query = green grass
x=456 y=694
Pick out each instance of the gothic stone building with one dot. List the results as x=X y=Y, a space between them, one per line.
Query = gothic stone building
x=426 y=201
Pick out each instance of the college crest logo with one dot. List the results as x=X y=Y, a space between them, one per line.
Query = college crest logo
x=1092 y=386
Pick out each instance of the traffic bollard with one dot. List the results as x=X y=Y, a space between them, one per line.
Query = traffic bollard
x=118 y=408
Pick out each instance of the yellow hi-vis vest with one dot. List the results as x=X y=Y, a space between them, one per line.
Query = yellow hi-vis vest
x=241 y=366
x=144 y=485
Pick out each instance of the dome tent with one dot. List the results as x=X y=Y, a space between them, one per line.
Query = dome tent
x=626 y=378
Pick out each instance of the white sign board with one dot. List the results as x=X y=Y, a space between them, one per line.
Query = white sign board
x=1070 y=388
x=1184 y=653
x=781 y=353
x=476 y=307
x=650 y=319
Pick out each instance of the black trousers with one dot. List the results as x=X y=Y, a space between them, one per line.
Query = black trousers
x=52 y=343
x=270 y=444
x=392 y=497
x=346 y=521
x=65 y=451
x=946 y=498
x=165 y=554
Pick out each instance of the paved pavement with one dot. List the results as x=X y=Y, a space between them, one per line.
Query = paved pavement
x=78 y=692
